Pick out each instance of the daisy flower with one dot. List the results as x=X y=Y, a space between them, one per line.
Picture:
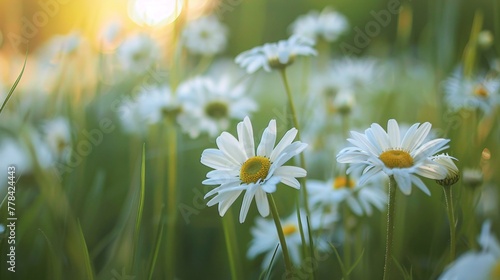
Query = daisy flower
x=396 y=155
x=238 y=167
x=355 y=74
x=472 y=177
x=452 y=174
x=156 y=103
x=483 y=265
x=205 y=36
x=265 y=239
x=275 y=55
x=57 y=135
x=138 y=52
x=361 y=199
x=210 y=105
x=471 y=93
x=328 y=25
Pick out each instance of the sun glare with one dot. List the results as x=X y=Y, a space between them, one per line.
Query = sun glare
x=154 y=12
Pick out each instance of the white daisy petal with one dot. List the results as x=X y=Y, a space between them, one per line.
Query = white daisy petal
x=231 y=148
x=247 y=200
x=262 y=203
x=285 y=142
x=245 y=135
x=268 y=140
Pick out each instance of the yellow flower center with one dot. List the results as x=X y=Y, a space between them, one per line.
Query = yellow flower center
x=341 y=182
x=481 y=91
x=254 y=169
x=289 y=229
x=495 y=272
x=396 y=159
x=216 y=109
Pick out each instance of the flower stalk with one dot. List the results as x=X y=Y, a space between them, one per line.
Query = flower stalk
x=281 y=235
x=448 y=196
x=390 y=227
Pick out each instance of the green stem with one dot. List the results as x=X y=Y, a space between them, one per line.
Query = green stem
x=451 y=219
x=231 y=244
x=390 y=227
x=295 y=120
x=347 y=240
x=281 y=235
x=171 y=199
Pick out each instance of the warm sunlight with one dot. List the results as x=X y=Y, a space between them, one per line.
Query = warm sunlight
x=154 y=12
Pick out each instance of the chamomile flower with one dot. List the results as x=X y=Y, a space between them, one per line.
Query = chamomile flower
x=472 y=93
x=211 y=104
x=277 y=55
x=138 y=53
x=57 y=135
x=403 y=157
x=156 y=103
x=238 y=167
x=205 y=36
x=472 y=177
x=483 y=265
x=361 y=199
x=328 y=25
x=452 y=174
x=130 y=118
x=265 y=238
x=359 y=75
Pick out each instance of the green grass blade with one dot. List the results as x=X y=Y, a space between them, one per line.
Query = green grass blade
x=344 y=272
x=270 y=266
x=159 y=236
x=356 y=262
x=15 y=83
x=140 y=206
x=86 y=257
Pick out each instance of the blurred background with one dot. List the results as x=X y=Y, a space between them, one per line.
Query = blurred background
x=94 y=205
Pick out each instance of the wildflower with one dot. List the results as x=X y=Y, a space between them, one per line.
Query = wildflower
x=275 y=55
x=328 y=25
x=452 y=175
x=265 y=239
x=205 y=36
x=361 y=199
x=157 y=103
x=238 y=167
x=472 y=177
x=57 y=135
x=483 y=265
x=211 y=104
x=378 y=151
x=471 y=93
x=138 y=53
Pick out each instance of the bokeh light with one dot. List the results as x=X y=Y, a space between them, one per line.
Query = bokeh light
x=154 y=12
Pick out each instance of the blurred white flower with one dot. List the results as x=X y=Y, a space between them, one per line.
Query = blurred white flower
x=205 y=36
x=483 y=265
x=239 y=168
x=130 y=118
x=472 y=177
x=156 y=103
x=344 y=101
x=138 y=53
x=361 y=199
x=209 y=105
x=57 y=135
x=360 y=75
x=328 y=25
x=378 y=151
x=275 y=55
x=479 y=92
x=265 y=239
